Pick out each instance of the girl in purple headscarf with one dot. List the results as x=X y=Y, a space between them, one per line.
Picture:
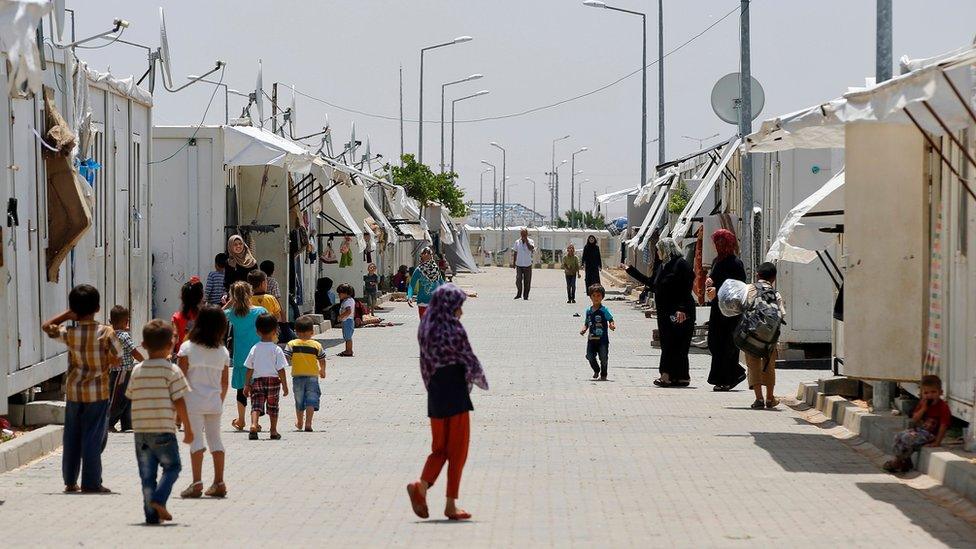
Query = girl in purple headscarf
x=449 y=370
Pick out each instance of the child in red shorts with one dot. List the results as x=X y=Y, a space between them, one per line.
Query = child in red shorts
x=265 y=375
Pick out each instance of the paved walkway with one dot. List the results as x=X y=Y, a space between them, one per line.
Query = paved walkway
x=556 y=460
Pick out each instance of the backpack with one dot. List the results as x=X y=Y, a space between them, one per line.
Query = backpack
x=758 y=330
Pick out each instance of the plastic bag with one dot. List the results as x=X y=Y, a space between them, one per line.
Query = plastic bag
x=732 y=297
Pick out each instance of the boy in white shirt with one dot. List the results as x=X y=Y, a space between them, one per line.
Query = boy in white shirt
x=265 y=375
x=347 y=315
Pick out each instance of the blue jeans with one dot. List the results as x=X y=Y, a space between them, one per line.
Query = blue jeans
x=596 y=349
x=307 y=392
x=155 y=450
x=85 y=425
x=348 y=327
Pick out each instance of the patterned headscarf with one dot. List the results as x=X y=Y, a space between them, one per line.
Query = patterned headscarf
x=443 y=340
x=429 y=268
x=725 y=243
x=244 y=259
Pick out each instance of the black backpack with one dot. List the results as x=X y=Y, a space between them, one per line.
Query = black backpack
x=758 y=330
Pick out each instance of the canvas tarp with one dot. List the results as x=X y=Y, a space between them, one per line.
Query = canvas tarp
x=406 y=213
x=378 y=217
x=701 y=193
x=799 y=238
x=338 y=207
x=659 y=202
x=459 y=253
x=249 y=146
x=18 y=40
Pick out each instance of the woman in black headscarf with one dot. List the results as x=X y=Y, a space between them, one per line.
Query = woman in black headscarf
x=592 y=262
x=671 y=283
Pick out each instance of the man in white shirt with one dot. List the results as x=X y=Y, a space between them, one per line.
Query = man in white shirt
x=522 y=261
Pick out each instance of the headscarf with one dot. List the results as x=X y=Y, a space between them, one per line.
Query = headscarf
x=443 y=340
x=244 y=259
x=429 y=269
x=725 y=243
x=591 y=252
x=668 y=248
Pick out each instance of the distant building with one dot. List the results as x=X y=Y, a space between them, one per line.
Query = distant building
x=490 y=215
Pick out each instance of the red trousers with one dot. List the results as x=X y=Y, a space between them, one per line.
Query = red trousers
x=451 y=436
x=421 y=310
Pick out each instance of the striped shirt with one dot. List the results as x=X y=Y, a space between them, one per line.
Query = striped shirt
x=273 y=288
x=154 y=386
x=304 y=355
x=92 y=350
x=215 y=288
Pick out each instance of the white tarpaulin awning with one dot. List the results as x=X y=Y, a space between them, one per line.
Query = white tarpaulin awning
x=249 y=146
x=701 y=193
x=799 y=238
x=616 y=195
x=933 y=86
x=347 y=219
x=406 y=211
x=658 y=196
x=18 y=40
x=377 y=213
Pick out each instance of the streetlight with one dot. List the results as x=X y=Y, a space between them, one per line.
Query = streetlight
x=453 y=103
x=533 y=196
x=227 y=91
x=443 y=89
x=700 y=140
x=481 y=198
x=555 y=182
x=494 y=192
x=420 y=138
x=572 y=178
x=660 y=68
x=555 y=175
x=499 y=147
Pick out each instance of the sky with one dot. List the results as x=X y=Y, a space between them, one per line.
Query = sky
x=531 y=53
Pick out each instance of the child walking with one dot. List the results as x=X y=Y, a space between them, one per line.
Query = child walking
x=449 y=369
x=191 y=298
x=204 y=360
x=930 y=420
x=347 y=310
x=156 y=389
x=93 y=348
x=571 y=268
x=761 y=372
x=120 y=408
x=371 y=287
x=265 y=376
x=598 y=319
x=242 y=317
x=214 y=291
x=307 y=359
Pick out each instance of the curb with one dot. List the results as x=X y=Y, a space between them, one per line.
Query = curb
x=30 y=446
x=949 y=468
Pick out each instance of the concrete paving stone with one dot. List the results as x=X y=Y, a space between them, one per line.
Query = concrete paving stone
x=556 y=460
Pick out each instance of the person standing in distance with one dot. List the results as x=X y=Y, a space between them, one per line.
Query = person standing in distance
x=522 y=261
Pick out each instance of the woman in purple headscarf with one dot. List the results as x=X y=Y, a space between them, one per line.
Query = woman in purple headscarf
x=449 y=370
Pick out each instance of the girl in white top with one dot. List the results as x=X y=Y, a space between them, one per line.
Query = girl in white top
x=205 y=361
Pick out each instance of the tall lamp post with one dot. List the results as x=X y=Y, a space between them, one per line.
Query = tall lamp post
x=529 y=179
x=572 y=178
x=504 y=198
x=420 y=137
x=660 y=77
x=481 y=198
x=555 y=181
x=555 y=177
x=453 y=104
x=494 y=192
x=443 y=91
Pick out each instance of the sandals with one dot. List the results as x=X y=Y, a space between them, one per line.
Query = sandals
x=721 y=388
x=663 y=383
x=217 y=490
x=344 y=353
x=308 y=429
x=417 y=501
x=236 y=425
x=194 y=490
x=72 y=488
x=772 y=403
x=275 y=436
x=758 y=404
x=253 y=435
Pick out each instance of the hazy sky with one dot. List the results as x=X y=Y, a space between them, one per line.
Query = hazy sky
x=532 y=53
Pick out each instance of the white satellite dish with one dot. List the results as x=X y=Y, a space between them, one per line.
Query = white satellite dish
x=259 y=95
x=59 y=17
x=291 y=113
x=367 y=152
x=352 y=143
x=164 y=56
x=727 y=94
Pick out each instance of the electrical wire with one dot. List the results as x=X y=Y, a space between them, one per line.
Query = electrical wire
x=202 y=120
x=533 y=109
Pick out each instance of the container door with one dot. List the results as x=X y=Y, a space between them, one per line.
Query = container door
x=138 y=230
x=25 y=180
x=8 y=279
x=121 y=202
x=961 y=322
x=102 y=201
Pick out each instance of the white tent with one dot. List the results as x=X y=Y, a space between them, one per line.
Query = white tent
x=799 y=238
x=249 y=146
x=701 y=193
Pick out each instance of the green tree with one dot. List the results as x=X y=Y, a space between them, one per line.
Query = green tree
x=585 y=220
x=425 y=186
x=679 y=199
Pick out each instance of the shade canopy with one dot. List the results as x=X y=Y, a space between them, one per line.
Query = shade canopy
x=250 y=146
x=800 y=236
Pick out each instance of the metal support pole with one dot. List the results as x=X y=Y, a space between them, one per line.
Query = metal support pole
x=643 y=141
x=745 y=128
x=572 y=182
x=453 y=104
x=882 y=57
x=401 y=117
x=274 y=107
x=660 y=84
x=504 y=190
x=420 y=122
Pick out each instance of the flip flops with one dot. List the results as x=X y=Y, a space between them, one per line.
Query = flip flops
x=417 y=501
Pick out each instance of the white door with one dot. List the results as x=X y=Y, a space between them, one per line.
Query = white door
x=960 y=323
x=100 y=276
x=25 y=272
x=121 y=201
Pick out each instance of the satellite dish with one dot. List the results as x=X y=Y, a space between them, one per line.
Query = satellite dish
x=259 y=95
x=727 y=94
x=291 y=113
x=352 y=143
x=59 y=17
x=164 y=56
x=366 y=153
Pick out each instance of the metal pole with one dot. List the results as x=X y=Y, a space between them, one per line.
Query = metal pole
x=643 y=141
x=882 y=59
x=572 y=181
x=443 y=88
x=745 y=128
x=504 y=190
x=274 y=107
x=660 y=83
x=401 y=115
x=494 y=193
x=481 y=199
x=453 y=105
x=420 y=136
x=226 y=103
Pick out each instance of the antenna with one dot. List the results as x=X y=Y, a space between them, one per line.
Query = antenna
x=164 y=56
x=292 y=117
x=259 y=94
x=727 y=96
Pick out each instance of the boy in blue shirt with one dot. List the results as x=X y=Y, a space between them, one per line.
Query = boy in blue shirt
x=596 y=322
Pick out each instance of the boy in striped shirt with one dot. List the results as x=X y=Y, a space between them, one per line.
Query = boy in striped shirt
x=156 y=390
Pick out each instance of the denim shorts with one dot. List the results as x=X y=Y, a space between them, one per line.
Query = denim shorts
x=307 y=392
x=348 y=327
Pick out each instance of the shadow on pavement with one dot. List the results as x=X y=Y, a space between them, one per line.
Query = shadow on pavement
x=813 y=453
x=936 y=521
